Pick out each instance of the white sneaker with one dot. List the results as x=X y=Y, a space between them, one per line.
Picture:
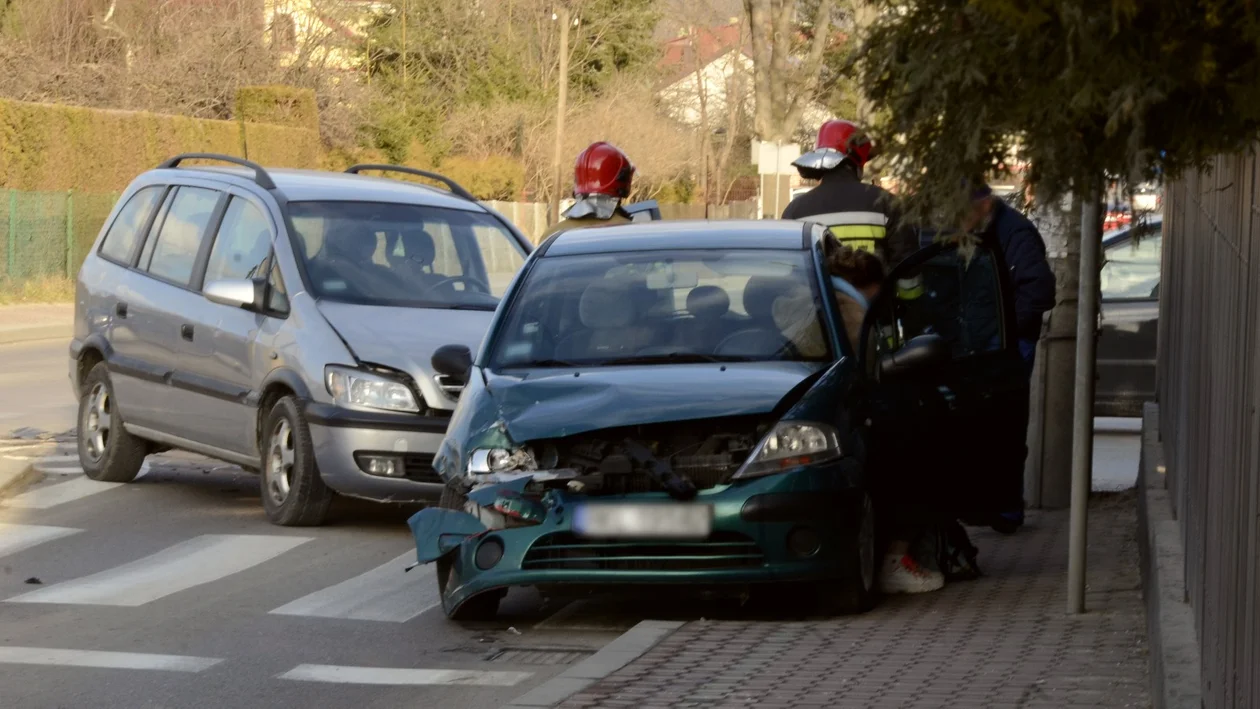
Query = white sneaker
x=901 y=574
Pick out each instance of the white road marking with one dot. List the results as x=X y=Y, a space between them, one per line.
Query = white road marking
x=67 y=470
x=385 y=593
x=17 y=537
x=108 y=660
x=197 y=561
x=42 y=498
x=398 y=676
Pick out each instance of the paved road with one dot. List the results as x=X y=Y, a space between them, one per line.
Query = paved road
x=174 y=591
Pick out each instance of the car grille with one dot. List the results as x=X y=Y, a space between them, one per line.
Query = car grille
x=705 y=471
x=565 y=550
x=419 y=467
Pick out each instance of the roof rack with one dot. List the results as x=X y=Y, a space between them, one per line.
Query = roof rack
x=260 y=173
x=454 y=186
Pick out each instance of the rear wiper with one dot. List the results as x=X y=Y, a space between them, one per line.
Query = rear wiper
x=674 y=358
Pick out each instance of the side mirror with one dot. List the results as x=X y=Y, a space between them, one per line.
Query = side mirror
x=454 y=361
x=242 y=293
x=919 y=354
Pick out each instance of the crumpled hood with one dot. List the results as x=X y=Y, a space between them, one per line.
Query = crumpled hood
x=553 y=403
x=405 y=338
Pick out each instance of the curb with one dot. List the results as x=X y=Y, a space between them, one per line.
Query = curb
x=1174 y=648
x=629 y=646
x=35 y=333
x=14 y=475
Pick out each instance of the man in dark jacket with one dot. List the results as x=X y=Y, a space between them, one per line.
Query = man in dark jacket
x=1025 y=254
x=859 y=215
x=1031 y=279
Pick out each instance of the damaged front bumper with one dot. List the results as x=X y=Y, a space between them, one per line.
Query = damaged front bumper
x=788 y=527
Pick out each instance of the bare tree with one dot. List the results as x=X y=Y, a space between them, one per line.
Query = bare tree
x=784 y=82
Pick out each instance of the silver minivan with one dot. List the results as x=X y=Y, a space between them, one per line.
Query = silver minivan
x=284 y=321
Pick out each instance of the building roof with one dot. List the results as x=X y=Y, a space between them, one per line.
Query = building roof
x=678 y=58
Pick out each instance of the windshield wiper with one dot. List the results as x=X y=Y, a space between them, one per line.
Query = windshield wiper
x=675 y=358
x=470 y=306
x=542 y=363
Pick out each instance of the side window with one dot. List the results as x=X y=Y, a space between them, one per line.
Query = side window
x=179 y=239
x=950 y=295
x=241 y=248
x=120 y=241
x=1131 y=270
x=277 y=296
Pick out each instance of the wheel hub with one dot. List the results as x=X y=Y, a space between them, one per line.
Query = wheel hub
x=97 y=423
x=280 y=456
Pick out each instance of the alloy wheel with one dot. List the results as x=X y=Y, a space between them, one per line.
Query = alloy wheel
x=280 y=457
x=96 y=428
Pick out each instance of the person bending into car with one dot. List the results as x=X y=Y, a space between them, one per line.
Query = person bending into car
x=856 y=276
x=601 y=180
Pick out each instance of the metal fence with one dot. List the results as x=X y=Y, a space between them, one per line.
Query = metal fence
x=45 y=234
x=1209 y=391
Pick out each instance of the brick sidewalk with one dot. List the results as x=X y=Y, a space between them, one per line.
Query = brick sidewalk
x=1002 y=641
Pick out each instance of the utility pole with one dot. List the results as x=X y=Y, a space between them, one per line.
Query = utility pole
x=404 y=55
x=562 y=14
x=1083 y=421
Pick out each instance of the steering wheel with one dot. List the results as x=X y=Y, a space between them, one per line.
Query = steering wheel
x=752 y=342
x=469 y=285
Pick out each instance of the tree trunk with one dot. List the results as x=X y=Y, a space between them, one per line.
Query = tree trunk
x=1048 y=470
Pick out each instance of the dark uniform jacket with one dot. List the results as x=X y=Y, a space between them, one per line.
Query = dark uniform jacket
x=858 y=214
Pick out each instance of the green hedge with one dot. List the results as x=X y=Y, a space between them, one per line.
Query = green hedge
x=53 y=147
x=277 y=105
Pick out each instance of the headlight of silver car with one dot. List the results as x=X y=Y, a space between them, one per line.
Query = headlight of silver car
x=791 y=444
x=484 y=461
x=359 y=389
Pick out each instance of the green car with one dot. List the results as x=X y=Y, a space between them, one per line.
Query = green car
x=677 y=403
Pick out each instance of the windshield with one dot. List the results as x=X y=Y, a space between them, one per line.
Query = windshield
x=664 y=307
x=404 y=255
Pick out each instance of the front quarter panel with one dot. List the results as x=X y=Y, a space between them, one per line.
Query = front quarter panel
x=475 y=424
x=831 y=400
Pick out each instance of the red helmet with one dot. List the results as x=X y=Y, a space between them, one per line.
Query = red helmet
x=846 y=137
x=602 y=169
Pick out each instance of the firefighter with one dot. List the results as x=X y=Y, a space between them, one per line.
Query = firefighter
x=860 y=215
x=601 y=179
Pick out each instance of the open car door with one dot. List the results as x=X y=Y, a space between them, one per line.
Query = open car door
x=646 y=211
x=951 y=424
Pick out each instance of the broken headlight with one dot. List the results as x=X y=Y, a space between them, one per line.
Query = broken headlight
x=791 y=444
x=484 y=461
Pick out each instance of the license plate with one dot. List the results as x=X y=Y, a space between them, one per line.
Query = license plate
x=653 y=521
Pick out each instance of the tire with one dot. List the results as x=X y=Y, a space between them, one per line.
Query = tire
x=106 y=451
x=481 y=607
x=293 y=493
x=858 y=591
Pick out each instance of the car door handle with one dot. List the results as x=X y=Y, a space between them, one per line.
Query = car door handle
x=120 y=309
x=186 y=332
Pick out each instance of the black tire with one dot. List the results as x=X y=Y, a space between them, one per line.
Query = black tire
x=107 y=453
x=860 y=588
x=482 y=607
x=293 y=493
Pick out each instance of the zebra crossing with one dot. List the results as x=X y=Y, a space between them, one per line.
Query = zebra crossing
x=196 y=566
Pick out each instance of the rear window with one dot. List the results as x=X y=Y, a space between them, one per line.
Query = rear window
x=123 y=235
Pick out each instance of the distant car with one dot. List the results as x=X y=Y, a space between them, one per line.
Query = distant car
x=1130 y=319
x=284 y=321
x=679 y=404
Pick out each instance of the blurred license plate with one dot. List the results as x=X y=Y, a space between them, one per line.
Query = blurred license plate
x=674 y=521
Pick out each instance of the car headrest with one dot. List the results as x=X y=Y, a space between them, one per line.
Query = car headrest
x=760 y=293
x=351 y=241
x=708 y=302
x=605 y=306
x=418 y=246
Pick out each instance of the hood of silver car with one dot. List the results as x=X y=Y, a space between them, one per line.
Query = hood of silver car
x=405 y=338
